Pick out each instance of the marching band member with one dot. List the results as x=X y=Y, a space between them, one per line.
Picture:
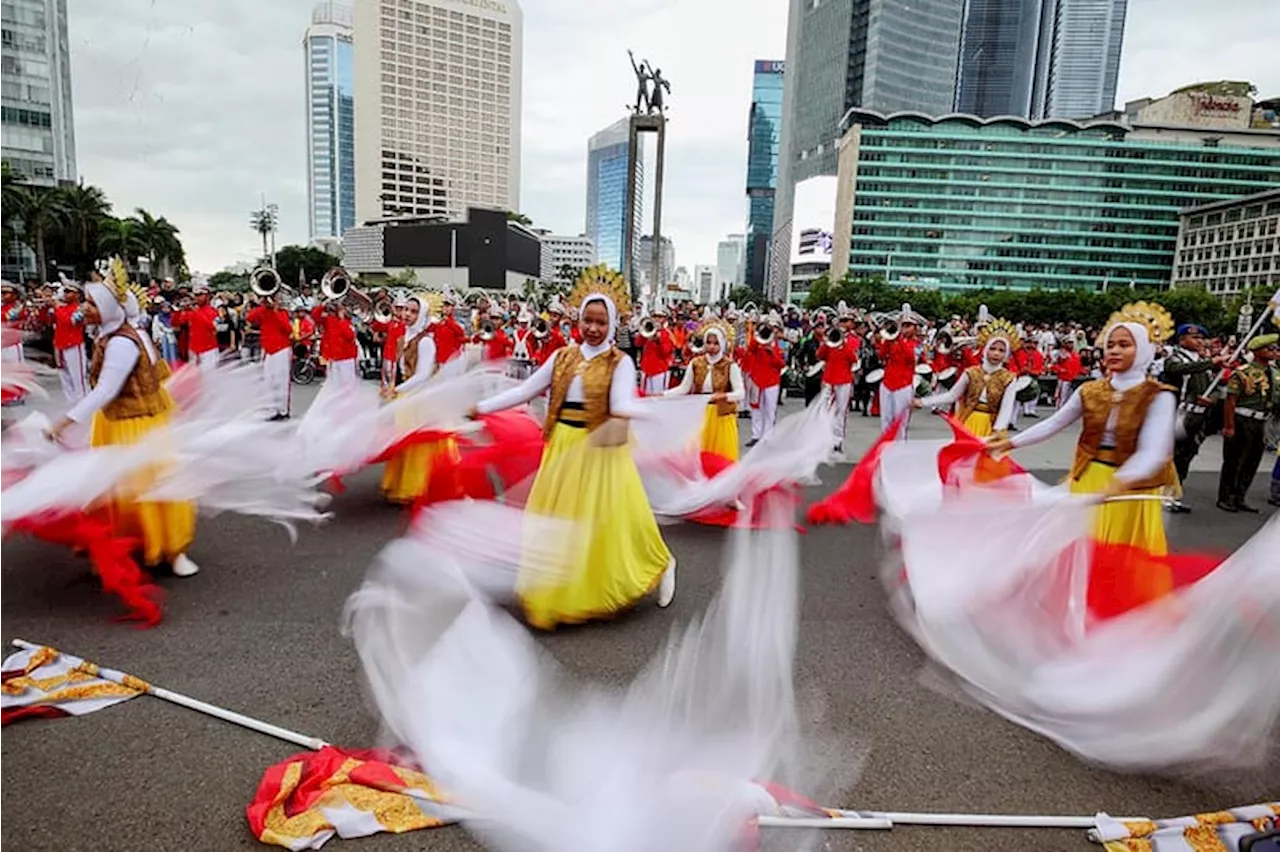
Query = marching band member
x=126 y=403
x=68 y=342
x=553 y=340
x=984 y=396
x=656 y=354
x=1253 y=392
x=765 y=363
x=587 y=474
x=898 y=354
x=715 y=373
x=1067 y=367
x=338 y=345
x=392 y=331
x=408 y=473
x=200 y=323
x=524 y=343
x=493 y=340
x=1190 y=372
x=450 y=336
x=13 y=316
x=1125 y=447
x=838 y=352
x=1029 y=361
x=276 y=338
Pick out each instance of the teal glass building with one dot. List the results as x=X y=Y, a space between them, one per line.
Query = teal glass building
x=962 y=202
x=763 y=129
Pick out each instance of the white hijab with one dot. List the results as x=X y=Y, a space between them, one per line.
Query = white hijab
x=113 y=314
x=1142 y=359
x=987 y=366
x=424 y=318
x=724 y=345
x=613 y=322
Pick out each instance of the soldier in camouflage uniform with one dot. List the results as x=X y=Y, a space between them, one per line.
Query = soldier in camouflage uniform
x=1252 y=392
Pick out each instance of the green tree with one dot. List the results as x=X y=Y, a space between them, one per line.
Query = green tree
x=313 y=262
x=231 y=281
x=519 y=218
x=741 y=295
x=405 y=278
x=531 y=292
x=42 y=216
x=85 y=209
x=121 y=237
x=160 y=243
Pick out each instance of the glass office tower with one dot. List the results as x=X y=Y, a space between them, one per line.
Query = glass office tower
x=763 y=131
x=607 y=192
x=331 y=148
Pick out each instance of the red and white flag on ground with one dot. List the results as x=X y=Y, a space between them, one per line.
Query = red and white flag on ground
x=305 y=800
x=41 y=683
x=1218 y=830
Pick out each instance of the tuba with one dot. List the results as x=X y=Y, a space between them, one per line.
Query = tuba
x=336 y=287
x=382 y=311
x=889 y=330
x=486 y=330
x=540 y=328
x=648 y=327
x=265 y=282
x=764 y=334
x=943 y=343
x=835 y=336
x=697 y=343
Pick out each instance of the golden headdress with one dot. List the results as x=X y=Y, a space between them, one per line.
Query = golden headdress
x=432 y=301
x=139 y=292
x=117 y=279
x=998 y=328
x=1154 y=318
x=727 y=333
x=602 y=280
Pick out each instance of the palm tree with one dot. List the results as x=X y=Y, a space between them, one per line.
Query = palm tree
x=121 y=237
x=159 y=241
x=86 y=209
x=42 y=215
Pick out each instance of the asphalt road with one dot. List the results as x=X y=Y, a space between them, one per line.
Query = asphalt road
x=257 y=631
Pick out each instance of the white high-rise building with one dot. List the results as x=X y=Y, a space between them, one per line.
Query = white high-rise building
x=563 y=252
x=438 y=128
x=331 y=129
x=731 y=253
x=704 y=284
x=39 y=140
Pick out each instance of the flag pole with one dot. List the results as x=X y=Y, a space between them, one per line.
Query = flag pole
x=984 y=820
x=313 y=743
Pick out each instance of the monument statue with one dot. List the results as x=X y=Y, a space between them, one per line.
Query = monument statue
x=650 y=85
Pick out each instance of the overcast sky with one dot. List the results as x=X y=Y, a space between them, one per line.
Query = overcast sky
x=194 y=109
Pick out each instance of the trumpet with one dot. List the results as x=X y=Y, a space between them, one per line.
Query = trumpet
x=540 y=328
x=648 y=327
x=764 y=335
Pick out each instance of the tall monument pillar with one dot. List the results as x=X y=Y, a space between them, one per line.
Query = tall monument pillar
x=648 y=115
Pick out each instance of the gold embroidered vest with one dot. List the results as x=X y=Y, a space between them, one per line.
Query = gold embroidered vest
x=1097 y=398
x=995 y=384
x=410 y=352
x=141 y=395
x=597 y=376
x=720 y=381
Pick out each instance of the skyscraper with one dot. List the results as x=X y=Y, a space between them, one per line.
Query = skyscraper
x=1078 y=61
x=39 y=140
x=666 y=272
x=607 y=192
x=879 y=54
x=438 y=129
x=763 y=128
x=331 y=128
x=729 y=262
x=1040 y=58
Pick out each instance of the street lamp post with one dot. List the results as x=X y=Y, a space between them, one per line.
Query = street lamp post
x=265 y=221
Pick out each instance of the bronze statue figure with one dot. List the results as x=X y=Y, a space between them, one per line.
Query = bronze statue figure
x=650 y=98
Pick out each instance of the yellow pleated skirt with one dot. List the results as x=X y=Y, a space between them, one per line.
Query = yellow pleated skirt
x=164 y=529
x=407 y=474
x=720 y=434
x=621 y=556
x=980 y=424
x=1129 y=568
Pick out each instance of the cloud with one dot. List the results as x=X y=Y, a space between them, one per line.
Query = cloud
x=194 y=109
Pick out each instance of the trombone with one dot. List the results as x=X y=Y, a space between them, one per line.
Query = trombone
x=336 y=287
x=266 y=283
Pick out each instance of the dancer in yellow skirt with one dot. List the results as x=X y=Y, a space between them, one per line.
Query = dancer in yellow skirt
x=408 y=473
x=984 y=395
x=714 y=372
x=587 y=473
x=127 y=404
x=1125 y=447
